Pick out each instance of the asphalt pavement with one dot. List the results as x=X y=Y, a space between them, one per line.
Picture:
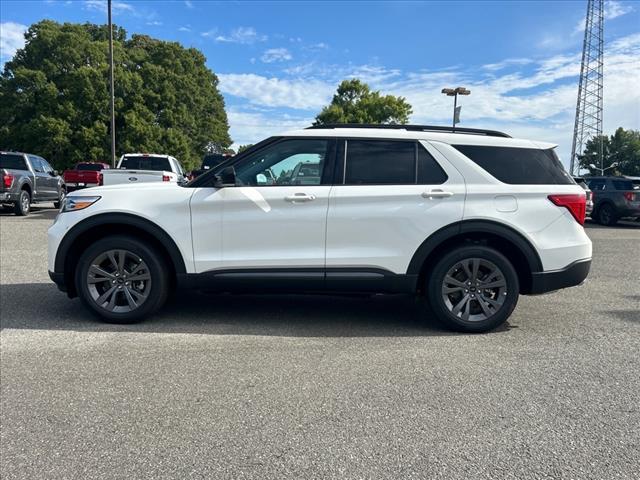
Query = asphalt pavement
x=221 y=386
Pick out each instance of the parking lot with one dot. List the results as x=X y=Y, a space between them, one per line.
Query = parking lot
x=221 y=386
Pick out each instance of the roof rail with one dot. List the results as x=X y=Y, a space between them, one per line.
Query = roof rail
x=415 y=128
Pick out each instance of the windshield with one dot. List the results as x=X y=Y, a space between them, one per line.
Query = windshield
x=141 y=162
x=94 y=167
x=12 y=161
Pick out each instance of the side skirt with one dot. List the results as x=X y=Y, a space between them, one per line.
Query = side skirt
x=301 y=280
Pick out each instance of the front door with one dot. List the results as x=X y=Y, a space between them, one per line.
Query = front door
x=43 y=187
x=274 y=220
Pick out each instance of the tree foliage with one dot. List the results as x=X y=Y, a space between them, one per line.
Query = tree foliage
x=622 y=147
x=354 y=102
x=54 y=97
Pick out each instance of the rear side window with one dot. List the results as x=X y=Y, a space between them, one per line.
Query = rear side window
x=518 y=166
x=596 y=185
x=380 y=162
x=145 y=163
x=93 y=167
x=13 y=162
x=390 y=162
x=622 y=184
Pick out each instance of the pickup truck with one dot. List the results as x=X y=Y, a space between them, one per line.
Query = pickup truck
x=210 y=160
x=613 y=198
x=145 y=167
x=84 y=174
x=28 y=179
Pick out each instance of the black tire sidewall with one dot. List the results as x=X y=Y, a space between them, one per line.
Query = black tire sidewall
x=18 y=206
x=157 y=269
x=434 y=288
x=612 y=218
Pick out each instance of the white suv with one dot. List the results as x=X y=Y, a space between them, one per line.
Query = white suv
x=468 y=219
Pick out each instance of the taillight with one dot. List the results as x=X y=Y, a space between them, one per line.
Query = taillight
x=166 y=178
x=629 y=196
x=100 y=179
x=7 y=180
x=575 y=203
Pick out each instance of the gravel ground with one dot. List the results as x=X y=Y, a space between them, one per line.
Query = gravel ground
x=222 y=386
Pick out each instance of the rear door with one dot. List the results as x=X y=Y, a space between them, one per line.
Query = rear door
x=43 y=188
x=388 y=197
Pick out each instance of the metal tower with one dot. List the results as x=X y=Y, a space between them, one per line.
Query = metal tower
x=589 y=107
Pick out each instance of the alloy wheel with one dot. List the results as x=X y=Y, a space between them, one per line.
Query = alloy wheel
x=474 y=289
x=119 y=281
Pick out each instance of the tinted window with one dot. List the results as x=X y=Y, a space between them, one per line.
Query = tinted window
x=596 y=185
x=429 y=172
x=93 y=167
x=519 y=166
x=13 y=162
x=622 y=184
x=145 y=163
x=213 y=160
x=290 y=162
x=380 y=162
x=45 y=165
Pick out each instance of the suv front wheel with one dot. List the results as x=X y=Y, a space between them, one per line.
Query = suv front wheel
x=473 y=289
x=122 y=279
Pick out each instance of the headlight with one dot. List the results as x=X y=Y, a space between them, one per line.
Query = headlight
x=75 y=203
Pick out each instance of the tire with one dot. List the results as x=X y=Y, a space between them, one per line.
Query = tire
x=140 y=262
x=61 y=196
x=23 y=206
x=607 y=215
x=484 y=309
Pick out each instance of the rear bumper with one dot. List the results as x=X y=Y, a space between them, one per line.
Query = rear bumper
x=9 y=196
x=570 y=276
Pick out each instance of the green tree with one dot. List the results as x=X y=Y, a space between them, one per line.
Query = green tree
x=354 y=102
x=623 y=148
x=242 y=148
x=54 y=97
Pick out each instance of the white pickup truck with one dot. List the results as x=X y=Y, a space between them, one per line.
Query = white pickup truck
x=144 y=167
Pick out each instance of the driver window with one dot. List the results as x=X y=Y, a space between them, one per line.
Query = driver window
x=36 y=164
x=290 y=162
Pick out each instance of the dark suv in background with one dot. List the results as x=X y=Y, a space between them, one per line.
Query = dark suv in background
x=28 y=179
x=613 y=198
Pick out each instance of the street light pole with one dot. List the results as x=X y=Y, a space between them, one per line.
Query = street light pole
x=111 y=91
x=454 y=92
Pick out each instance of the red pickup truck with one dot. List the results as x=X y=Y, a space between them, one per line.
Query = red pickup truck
x=84 y=174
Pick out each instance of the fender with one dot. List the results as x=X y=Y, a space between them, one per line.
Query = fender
x=120 y=219
x=474 y=226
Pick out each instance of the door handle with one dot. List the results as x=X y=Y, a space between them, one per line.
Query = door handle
x=300 y=197
x=436 y=194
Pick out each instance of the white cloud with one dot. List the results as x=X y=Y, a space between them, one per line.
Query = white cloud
x=154 y=23
x=210 y=33
x=612 y=9
x=11 y=38
x=276 y=55
x=185 y=29
x=117 y=7
x=188 y=3
x=509 y=62
x=242 y=35
x=305 y=94
x=251 y=126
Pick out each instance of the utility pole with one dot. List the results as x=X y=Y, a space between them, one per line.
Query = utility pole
x=588 y=123
x=111 y=91
x=454 y=92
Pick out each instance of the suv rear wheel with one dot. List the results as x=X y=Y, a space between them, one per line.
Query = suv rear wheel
x=122 y=279
x=607 y=215
x=473 y=289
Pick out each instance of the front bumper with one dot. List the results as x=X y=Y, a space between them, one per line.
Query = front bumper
x=570 y=276
x=58 y=279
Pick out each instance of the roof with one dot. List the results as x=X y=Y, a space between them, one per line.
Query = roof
x=421 y=132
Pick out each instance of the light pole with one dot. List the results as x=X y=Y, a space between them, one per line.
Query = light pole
x=111 y=93
x=602 y=170
x=454 y=92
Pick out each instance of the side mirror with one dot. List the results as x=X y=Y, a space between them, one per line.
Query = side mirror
x=54 y=173
x=261 y=179
x=226 y=178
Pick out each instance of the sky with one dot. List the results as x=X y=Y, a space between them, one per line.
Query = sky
x=279 y=63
